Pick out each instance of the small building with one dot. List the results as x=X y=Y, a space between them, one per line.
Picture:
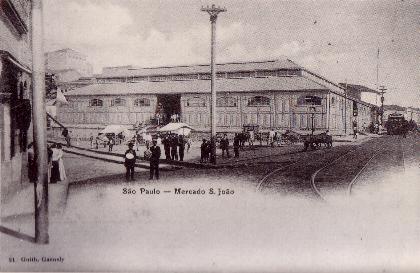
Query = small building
x=269 y=93
x=15 y=94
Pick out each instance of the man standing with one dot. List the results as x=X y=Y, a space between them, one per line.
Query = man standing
x=154 y=160
x=224 y=145
x=355 y=129
x=167 y=147
x=111 y=144
x=236 y=144
x=129 y=162
x=174 y=147
x=203 y=151
x=181 y=144
x=251 y=138
x=91 y=141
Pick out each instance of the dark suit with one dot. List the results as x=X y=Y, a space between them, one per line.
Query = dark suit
x=154 y=161
x=129 y=164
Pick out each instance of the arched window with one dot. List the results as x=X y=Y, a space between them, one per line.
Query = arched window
x=96 y=102
x=259 y=101
x=226 y=102
x=332 y=101
x=309 y=100
x=118 y=102
x=196 y=102
x=141 y=102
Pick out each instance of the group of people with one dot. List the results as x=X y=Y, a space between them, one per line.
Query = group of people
x=206 y=147
x=175 y=146
x=56 y=170
x=152 y=153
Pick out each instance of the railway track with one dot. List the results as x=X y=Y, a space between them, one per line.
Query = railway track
x=339 y=173
x=357 y=167
x=270 y=177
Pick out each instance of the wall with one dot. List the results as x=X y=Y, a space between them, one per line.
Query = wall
x=17 y=45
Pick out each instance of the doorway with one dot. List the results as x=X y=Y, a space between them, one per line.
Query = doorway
x=169 y=105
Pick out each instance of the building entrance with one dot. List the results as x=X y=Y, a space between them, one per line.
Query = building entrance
x=168 y=106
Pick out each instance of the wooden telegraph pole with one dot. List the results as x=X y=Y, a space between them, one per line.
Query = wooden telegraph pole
x=213 y=11
x=39 y=124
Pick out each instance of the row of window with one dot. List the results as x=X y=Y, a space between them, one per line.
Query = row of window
x=140 y=102
x=201 y=102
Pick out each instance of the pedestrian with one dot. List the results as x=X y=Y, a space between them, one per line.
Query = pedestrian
x=251 y=138
x=129 y=161
x=154 y=160
x=68 y=140
x=271 y=135
x=167 y=147
x=203 y=148
x=57 y=171
x=159 y=141
x=208 y=150
x=111 y=144
x=91 y=141
x=354 y=129
x=181 y=145
x=174 y=147
x=32 y=169
x=236 y=144
x=224 y=145
x=189 y=143
x=96 y=143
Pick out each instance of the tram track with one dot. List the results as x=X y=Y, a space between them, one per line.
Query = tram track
x=270 y=177
x=335 y=171
x=352 y=175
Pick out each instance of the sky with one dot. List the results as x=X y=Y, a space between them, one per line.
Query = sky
x=336 y=39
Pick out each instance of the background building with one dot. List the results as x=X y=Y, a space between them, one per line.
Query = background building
x=268 y=93
x=15 y=94
x=68 y=59
x=410 y=113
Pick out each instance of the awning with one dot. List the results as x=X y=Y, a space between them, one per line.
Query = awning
x=177 y=128
x=7 y=56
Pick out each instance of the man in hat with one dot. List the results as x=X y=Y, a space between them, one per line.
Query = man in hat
x=154 y=160
x=129 y=161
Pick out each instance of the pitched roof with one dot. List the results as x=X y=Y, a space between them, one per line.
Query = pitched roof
x=126 y=71
x=359 y=88
x=200 y=86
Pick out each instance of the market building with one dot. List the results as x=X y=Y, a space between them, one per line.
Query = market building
x=15 y=94
x=273 y=94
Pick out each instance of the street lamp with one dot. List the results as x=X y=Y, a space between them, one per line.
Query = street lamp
x=213 y=11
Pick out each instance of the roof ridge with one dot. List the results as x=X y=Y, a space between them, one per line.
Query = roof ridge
x=192 y=65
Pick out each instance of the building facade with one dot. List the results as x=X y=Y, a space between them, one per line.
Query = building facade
x=272 y=94
x=63 y=60
x=410 y=113
x=15 y=94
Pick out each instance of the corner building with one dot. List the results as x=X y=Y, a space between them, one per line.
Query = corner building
x=15 y=94
x=270 y=94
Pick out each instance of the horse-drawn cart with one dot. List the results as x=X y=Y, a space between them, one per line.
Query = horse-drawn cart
x=316 y=140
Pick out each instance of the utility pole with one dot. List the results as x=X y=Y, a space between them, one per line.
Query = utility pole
x=213 y=11
x=345 y=110
x=382 y=89
x=39 y=124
